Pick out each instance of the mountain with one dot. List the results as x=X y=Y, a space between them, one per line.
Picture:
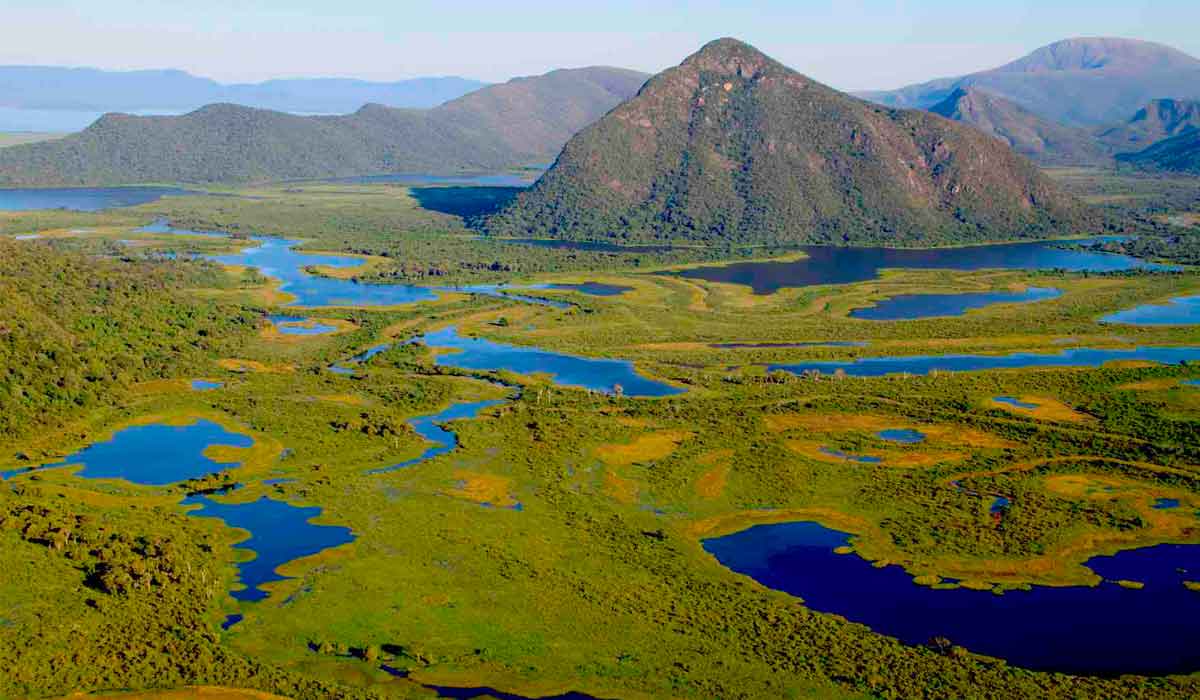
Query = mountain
x=1179 y=154
x=89 y=89
x=1088 y=82
x=1045 y=142
x=731 y=146
x=523 y=121
x=1159 y=120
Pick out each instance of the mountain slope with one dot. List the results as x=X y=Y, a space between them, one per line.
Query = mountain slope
x=1045 y=142
x=732 y=146
x=1087 y=82
x=525 y=120
x=89 y=89
x=1159 y=120
x=1180 y=154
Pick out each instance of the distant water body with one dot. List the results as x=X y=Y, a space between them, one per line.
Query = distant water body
x=1181 y=311
x=83 y=198
x=835 y=265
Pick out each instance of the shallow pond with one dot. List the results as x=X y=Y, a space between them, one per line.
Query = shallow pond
x=156 y=455
x=205 y=385
x=924 y=364
x=906 y=436
x=1107 y=629
x=279 y=533
x=568 y=370
x=83 y=198
x=1015 y=402
x=595 y=289
x=914 y=306
x=1181 y=311
x=298 y=325
x=834 y=265
x=431 y=428
x=862 y=459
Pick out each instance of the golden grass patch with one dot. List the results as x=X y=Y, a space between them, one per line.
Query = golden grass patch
x=1044 y=408
x=345 y=399
x=243 y=366
x=711 y=483
x=645 y=448
x=478 y=487
x=619 y=488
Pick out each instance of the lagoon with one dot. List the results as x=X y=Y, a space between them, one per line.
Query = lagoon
x=88 y=199
x=566 y=370
x=835 y=265
x=1105 y=629
x=915 y=306
x=924 y=364
x=1180 y=311
x=156 y=454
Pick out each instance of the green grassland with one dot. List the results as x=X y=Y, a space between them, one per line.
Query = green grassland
x=17 y=138
x=599 y=582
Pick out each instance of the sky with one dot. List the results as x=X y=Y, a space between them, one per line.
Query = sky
x=850 y=44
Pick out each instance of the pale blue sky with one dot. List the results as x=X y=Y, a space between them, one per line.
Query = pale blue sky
x=851 y=44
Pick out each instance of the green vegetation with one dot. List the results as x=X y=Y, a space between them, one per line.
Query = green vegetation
x=1179 y=154
x=733 y=147
x=113 y=587
x=21 y=137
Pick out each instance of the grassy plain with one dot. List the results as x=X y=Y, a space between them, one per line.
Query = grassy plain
x=598 y=582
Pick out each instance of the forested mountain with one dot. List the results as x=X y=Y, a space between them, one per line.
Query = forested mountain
x=1180 y=154
x=1043 y=141
x=525 y=120
x=1159 y=120
x=733 y=146
x=90 y=89
x=1087 y=82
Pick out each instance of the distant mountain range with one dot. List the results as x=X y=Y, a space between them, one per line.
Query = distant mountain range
x=522 y=121
x=1088 y=83
x=89 y=89
x=731 y=146
x=1044 y=141
x=1180 y=154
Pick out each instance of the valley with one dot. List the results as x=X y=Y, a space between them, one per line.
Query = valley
x=757 y=390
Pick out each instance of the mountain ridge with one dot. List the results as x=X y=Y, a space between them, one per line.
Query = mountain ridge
x=1083 y=82
x=1043 y=141
x=731 y=146
x=525 y=120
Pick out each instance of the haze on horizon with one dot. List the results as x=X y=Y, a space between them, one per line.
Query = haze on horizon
x=863 y=44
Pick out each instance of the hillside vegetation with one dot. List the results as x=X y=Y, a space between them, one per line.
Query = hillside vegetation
x=733 y=146
x=522 y=121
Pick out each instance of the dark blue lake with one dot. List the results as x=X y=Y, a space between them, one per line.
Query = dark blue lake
x=834 y=265
x=1181 y=311
x=1105 y=629
x=156 y=455
x=298 y=325
x=924 y=364
x=83 y=198
x=569 y=370
x=431 y=428
x=279 y=533
x=912 y=306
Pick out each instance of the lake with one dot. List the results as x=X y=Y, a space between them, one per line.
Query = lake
x=924 y=364
x=1107 y=629
x=914 y=306
x=835 y=265
x=298 y=325
x=1181 y=311
x=566 y=370
x=157 y=454
x=279 y=533
x=83 y=198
